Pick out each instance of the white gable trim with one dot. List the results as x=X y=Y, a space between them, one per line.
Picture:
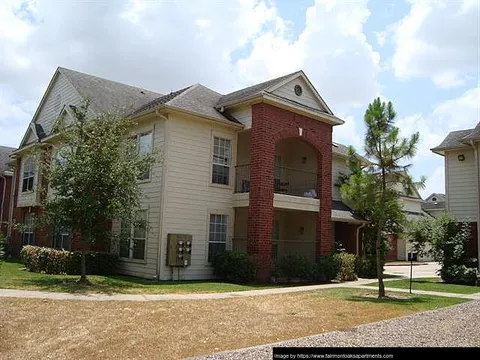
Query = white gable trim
x=30 y=129
x=301 y=75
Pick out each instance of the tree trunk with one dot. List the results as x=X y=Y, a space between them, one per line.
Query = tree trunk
x=378 y=253
x=83 y=268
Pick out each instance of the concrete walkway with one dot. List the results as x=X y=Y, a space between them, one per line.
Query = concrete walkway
x=13 y=293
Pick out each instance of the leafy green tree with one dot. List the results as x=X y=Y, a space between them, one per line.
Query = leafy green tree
x=447 y=240
x=92 y=176
x=378 y=180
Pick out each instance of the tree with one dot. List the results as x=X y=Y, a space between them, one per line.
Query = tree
x=447 y=240
x=92 y=176
x=378 y=180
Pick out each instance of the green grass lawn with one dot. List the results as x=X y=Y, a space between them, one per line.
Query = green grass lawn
x=14 y=276
x=430 y=284
x=394 y=300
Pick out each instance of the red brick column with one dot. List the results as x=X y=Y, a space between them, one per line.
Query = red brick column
x=260 y=211
x=324 y=190
x=270 y=125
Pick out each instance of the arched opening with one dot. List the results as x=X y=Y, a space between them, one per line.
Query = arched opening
x=295 y=168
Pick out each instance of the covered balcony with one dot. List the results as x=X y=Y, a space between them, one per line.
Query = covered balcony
x=293 y=232
x=295 y=178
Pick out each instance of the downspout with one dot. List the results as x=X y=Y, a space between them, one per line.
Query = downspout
x=358 y=237
x=475 y=151
x=3 y=199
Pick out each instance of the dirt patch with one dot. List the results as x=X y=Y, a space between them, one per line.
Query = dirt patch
x=39 y=329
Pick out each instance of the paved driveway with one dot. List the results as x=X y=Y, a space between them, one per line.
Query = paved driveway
x=422 y=270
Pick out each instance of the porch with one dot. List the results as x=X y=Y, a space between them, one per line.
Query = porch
x=295 y=175
x=293 y=232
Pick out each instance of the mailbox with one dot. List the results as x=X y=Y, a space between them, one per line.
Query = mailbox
x=179 y=250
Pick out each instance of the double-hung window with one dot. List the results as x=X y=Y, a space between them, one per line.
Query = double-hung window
x=144 y=143
x=28 y=174
x=134 y=238
x=217 y=237
x=222 y=150
x=62 y=239
x=28 y=234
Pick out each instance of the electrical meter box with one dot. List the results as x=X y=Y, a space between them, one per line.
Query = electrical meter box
x=179 y=250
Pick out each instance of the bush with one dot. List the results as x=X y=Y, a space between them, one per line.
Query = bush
x=295 y=266
x=327 y=268
x=346 y=266
x=367 y=267
x=233 y=266
x=53 y=261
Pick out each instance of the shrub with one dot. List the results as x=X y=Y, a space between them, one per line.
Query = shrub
x=346 y=266
x=233 y=266
x=53 y=261
x=327 y=268
x=450 y=249
x=295 y=266
x=367 y=267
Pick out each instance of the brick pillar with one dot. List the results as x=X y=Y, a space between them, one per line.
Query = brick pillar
x=324 y=189
x=260 y=211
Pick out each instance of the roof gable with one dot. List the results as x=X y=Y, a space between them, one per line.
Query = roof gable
x=308 y=95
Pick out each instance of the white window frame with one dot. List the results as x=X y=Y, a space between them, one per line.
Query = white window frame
x=214 y=241
x=132 y=239
x=217 y=162
x=65 y=236
x=28 y=229
x=30 y=172
x=150 y=151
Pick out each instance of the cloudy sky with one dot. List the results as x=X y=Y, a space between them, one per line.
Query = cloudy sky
x=422 y=55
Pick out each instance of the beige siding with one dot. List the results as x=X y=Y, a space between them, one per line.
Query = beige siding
x=243 y=148
x=339 y=166
x=307 y=98
x=151 y=201
x=190 y=197
x=30 y=136
x=461 y=185
x=61 y=93
x=243 y=115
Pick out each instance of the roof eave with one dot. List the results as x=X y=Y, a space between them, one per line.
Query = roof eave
x=284 y=103
x=205 y=117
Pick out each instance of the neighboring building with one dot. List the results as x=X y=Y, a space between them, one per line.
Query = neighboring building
x=400 y=247
x=434 y=205
x=250 y=170
x=460 y=150
x=6 y=180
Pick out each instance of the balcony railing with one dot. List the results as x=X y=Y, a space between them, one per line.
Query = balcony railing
x=281 y=247
x=288 y=181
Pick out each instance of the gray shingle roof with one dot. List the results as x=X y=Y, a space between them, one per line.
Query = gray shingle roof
x=474 y=134
x=107 y=95
x=453 y=140
x=429 y=205
x=159 y=101
x=252 y=90
x=201 y=100
x=5 y=152
x=339 y=149
x=343 y=212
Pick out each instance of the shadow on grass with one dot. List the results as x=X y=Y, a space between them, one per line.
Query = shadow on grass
x=405 y=301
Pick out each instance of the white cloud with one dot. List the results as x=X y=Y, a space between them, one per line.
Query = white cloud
x=164 y=46
x=435 y=183
x=454 y=114
x=332 y=49
x=349 y=133
x=438 y=40
x=381 y=37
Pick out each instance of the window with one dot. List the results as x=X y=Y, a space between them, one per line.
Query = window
x=217 y=239
x=221 y=161
x=28 y=174
x=28 y=231
x=145 y=148
x=134 y=238
x=62 y=239
x=275 y=238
